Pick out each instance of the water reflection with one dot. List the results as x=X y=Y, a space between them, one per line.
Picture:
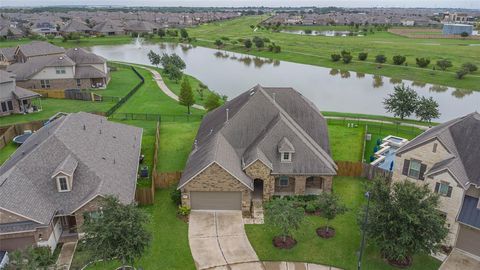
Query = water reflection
x=360 y=75
x=438 y=88
x=258 y=62
x=344 y=74
x=377 y=81
x=461 y=93
x=395 y=81
x=419 y=84
x=334 y=72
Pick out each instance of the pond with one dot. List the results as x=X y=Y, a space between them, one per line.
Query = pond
x=231 y=73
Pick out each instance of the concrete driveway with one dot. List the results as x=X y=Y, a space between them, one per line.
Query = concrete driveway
x=218 y=239
x=459 y=260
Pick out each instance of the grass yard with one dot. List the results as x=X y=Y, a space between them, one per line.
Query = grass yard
x=316 y=50
x=7 y=151
x=339 y=251
x=346 y=143
x=169 y=247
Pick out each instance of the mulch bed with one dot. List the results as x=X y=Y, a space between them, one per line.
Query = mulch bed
x=279 y=242
x=401 y=264
x=322 y=232
x=446 y=249
x=183 y=218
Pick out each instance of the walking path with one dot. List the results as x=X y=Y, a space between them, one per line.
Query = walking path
x=66 y=255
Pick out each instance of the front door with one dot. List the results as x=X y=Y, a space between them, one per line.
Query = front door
x=69 y=224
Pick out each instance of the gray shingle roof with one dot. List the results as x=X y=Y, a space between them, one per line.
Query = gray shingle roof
x=470 y=213
x=107 y=155
x=258 y=121
x=25 y=71
x=285 y=146
x=140 y=26
x=38 y=48
x=85 y=72
x=8 y=53
x=107 y=27
x=75 y=26
x=67 y=166
x=461 y=137
x=9 y=90
x=81 y=56
x=22 y=93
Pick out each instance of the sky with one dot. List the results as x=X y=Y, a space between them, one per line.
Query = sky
x=472 y=4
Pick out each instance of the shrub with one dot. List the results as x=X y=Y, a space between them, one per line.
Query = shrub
x=183 y=210
x=464 y=34
x=461 y=73
x=399 y=59
x=335 y=57
x=470 y=67
x=422 y=62
x=347 y=58
x=307 y=31
x=443 y=64
x=362 y=56
x=176 y=196
x=310 y=207
x=380 y=59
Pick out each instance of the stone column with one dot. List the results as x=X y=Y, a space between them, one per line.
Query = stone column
x=300 y=182
x=327 y=183
x=268 y=188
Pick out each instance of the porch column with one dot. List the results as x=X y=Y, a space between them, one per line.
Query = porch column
x=268 y=188
x=327 y=183
x=300 y=182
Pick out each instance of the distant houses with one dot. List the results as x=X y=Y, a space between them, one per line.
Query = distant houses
x=41 y=65
x=75 y=26
x=108 y=28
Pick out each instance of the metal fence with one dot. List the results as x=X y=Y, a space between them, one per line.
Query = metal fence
x=128 y=96
x=156 y=117
x=378 y=128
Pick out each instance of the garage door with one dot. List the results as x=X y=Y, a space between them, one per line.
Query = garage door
x=468 y=240
x=11 y=244
x=202 y=200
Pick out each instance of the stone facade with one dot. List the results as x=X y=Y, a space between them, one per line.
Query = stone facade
x=290 y=188
x=258 y=170
x=92 y=206
x=8 y=217
x=56 y=84
x=300 y=184
x=215 y=178
x=429 y=154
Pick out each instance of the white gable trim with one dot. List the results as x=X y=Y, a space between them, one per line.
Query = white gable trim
x=83 y=204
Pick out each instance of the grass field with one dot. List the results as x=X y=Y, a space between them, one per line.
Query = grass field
x=316 y=50
x=340 y=251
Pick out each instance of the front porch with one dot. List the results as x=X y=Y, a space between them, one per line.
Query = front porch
x=290 y=185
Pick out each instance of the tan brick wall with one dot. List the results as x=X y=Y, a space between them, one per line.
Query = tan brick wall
x=215 y=178
x=258 y=170
x=290 y=188
x=327 y=183
x=91 y=206
x=300 y=183
x=449 y=205
x=7 y=217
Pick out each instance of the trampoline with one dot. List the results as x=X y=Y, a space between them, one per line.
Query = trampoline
x=20 y=139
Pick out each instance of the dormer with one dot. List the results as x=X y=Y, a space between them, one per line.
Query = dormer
x=286 y=150
x=63 y=174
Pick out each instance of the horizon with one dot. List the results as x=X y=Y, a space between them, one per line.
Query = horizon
x=462 y=4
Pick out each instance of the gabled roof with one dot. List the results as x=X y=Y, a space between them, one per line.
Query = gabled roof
x=285 y=146
x=38 y=48
x=108 y=26
x=140 y=26
x=107 y=154
x=8 y=53
x=75 y=25
x=461 y=137
x=25 y=71
x=258 y=120
x=67 y=166
x=82 y=56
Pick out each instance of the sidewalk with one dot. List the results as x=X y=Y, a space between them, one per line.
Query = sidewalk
x=66 y=255
x=275 y=266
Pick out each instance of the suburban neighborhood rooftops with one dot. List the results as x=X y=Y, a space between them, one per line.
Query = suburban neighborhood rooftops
x=6 y=77
x=82 y=56
x=252 y=125
x=461 y=137
x=470 y=212
x=75 y=25
x=7 y=80
x=38 y=48
x=25 y=71
x=107 y=154
x=8 y=53
x=108 y=26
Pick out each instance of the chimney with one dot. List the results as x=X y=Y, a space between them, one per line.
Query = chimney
x=227 y=114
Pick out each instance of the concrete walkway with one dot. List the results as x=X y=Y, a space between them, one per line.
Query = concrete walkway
x=460 y=260
x=66 y=255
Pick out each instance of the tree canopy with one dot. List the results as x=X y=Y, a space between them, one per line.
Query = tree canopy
x=283 y=215
x=212 y=102
x=427 y=109
x=403 y=102
x=186 y=97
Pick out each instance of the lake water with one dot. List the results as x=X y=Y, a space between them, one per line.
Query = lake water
x=331 y=90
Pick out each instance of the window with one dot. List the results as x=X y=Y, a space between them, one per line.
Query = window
x=45 y=83
x=435 y=145
x=62 y=184
x=444 y=189
x=10 y=105
x=60 y=70
x=283 y=181
x=79 y=83
x=4 y=106
x=414 y=169
x=286 y=157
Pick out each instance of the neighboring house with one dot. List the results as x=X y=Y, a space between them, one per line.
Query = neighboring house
x=44 y=28
x=9 y=32
x=60 y=175
x=75 y=26
x=7 y=56
x=265 y=142
x=447 y=159
x=108 y=28
x=14 y=99
x=41 y=65
x=140 y=27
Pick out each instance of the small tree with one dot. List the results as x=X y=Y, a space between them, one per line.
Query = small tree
x=117 y=232
x=218 y=43
x=362 y=56
x=427 y=109
x=173 y=72
x=443 y=64
x=399 y=59
x=346 y=57
x=186 y=97
x=183 y=33
x=283 y=215
x=461 y=73
x=422 y=62
x=403 y=220
x=380 y=59
x=161 y=32
x=403 y=102
x=470 y=67
x=330 y=206
x=154 y=58
x=335 y=57
x=212 y=102
x=247 y=43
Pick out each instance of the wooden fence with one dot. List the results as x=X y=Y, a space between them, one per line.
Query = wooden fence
x=166 y=179
x=359 y=169
x=146 y=195
x=7 y=133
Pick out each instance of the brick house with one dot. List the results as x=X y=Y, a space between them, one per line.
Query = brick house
x=14 y=99
x=447 y=159
x=41 y=65
x=265 y=142
x=60 y=174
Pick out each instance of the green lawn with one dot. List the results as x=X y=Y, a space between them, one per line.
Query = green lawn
x=346 y=143
x=169 y=247
x=339 y=251
x=316 y=50
x=7 y=151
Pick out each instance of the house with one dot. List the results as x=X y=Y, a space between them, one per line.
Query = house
x=140 y=27
x=75 y=26
x=267 y=141
x=41 y=65
x=44 y=28
x=60 y=174
x=9 y=32
x=14 y=99
x=108 y=28
x=447 y=159
x=7 y=56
